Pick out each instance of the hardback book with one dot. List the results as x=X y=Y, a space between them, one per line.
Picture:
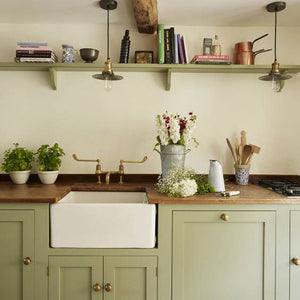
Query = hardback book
x=176 y=49
x=223 y=57
x=186 y=58
x=172 y=44
x=168 y=58
x=35 y=51
x=213 y=62
x=37 y=55
x=32 y=44
x=161 y=44
x=35 y=59
x=180 y=49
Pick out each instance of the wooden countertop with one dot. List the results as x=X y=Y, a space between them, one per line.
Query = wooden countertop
x=38 y=193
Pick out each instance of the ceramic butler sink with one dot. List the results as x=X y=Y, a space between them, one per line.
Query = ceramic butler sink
x=103 y=220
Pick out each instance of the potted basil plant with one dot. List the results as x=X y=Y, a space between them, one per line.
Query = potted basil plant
x=49 y=160
x=18 y=163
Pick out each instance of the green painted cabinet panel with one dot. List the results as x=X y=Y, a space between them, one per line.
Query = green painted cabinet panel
x=16 y=243
x=131 y=277
x=73 y=277
x=294 y=253
x=217 y=259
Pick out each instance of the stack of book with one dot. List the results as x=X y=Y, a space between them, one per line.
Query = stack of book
x=211 y=60
x=171 y=46
x=35 y=52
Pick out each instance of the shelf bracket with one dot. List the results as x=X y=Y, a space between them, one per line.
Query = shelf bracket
x=53 y=78
x=169 y=78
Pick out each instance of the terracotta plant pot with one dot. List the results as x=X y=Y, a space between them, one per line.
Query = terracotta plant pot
x=48 y=177
x=19 y=177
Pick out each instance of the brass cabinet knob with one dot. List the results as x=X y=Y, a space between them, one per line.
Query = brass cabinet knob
x=296 y=261
x=97 y=287
x=224 y=217
x=108 y=287
x=27 y=261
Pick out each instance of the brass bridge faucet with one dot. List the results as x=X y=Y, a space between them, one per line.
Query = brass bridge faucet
x=108 y=173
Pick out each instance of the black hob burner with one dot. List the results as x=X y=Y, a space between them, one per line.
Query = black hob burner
x=285 y=187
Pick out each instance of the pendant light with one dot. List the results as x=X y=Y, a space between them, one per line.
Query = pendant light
x=107 y=73
x=274 y=76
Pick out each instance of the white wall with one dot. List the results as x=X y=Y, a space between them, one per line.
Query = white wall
x=85 y=119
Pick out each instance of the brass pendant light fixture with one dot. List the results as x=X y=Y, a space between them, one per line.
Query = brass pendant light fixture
x=107 y=73
x=275 y=76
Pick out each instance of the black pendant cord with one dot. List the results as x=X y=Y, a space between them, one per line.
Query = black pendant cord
x=108 y=58
x=275 y=39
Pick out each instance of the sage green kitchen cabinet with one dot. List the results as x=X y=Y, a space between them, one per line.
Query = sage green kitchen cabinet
x=131 y=278
x=223 y=255
x=295 y=255
x=97 y=278
x=17 y=254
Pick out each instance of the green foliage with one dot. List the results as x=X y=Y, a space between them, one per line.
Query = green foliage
x=17 y=159
x=49 y=157
x=203 y=186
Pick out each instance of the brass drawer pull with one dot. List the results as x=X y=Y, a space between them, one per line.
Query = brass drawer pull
x=108 y=287
x=97 y=287
x=224 y=217
x=27 y=261
x=296 y=261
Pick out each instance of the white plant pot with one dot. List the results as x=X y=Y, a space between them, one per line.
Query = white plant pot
x=48 y=177
x=19 y=177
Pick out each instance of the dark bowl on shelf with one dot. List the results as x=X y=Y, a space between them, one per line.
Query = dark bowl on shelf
x=89 y=55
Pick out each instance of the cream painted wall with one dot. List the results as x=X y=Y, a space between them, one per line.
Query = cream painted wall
x=86 y=120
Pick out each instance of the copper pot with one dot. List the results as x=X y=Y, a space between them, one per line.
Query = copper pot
x=246 y=46
x=247 y=57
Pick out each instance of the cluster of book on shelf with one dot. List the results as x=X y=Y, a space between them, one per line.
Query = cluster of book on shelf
x=172 y=49
x=171 y=46
x=35 y=52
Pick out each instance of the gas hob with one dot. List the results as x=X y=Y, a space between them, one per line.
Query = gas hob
x=289 y=188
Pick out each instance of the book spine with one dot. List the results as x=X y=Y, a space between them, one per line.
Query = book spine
x=24 y=51
x=183 y=48
x=213 y=62
x=161 y=50
x=32 y=44
x=186 y=56
x=30 y=59
x=167 y=46
x=34 y=48
x=39 y=55
x=172 y=44
x=176 y=49
x=180 y=48
x=225 y=57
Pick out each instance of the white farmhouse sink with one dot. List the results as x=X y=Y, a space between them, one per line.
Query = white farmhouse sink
x=103 y=220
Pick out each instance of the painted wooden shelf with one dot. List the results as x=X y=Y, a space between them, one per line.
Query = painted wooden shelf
x=163 y=68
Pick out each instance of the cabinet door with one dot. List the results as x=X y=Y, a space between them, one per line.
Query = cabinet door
x=16 y=243
x=230 y=259
x=131 y=278
x=75 y=277
x=295 y=253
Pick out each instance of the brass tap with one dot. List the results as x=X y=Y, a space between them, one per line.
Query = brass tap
x=121 y=166
x=98 y=171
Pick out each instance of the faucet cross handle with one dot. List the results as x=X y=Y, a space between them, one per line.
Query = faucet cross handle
x=122 y=162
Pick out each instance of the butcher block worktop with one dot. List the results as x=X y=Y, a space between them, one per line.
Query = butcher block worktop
x=38 y=193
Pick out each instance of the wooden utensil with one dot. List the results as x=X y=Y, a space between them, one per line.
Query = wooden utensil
x=246 y=154
x=231 y=149
x=243 y=143
x=254 y=149
x=237 y=150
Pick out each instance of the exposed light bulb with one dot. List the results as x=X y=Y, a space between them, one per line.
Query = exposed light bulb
x=276 y=85
x=108 y=84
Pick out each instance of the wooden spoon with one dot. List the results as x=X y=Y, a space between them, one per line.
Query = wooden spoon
x=237 y=151
x=254 y=149
x=246 y=153
x=243 y=144
x=231 y=149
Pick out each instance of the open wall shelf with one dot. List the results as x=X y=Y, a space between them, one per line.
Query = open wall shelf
x=163 y=68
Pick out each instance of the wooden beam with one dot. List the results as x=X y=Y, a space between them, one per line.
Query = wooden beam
x=146 y=15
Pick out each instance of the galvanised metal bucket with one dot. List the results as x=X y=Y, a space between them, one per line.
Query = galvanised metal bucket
x=172 y=156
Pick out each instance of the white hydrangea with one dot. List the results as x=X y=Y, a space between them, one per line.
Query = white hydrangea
x=185 y=188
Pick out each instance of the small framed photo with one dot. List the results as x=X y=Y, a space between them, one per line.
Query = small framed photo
x=144 y=57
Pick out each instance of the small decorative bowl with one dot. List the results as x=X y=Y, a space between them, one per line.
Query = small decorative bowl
x=89 y=55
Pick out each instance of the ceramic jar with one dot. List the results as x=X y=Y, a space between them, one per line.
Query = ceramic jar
x=67 y=54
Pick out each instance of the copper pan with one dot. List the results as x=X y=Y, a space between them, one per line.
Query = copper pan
x=247 y=57
x=246 y=46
